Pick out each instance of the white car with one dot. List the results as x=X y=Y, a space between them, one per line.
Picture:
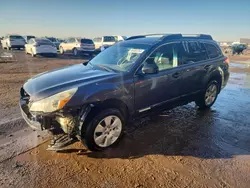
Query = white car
x=104 y=42
x=13 y=41
x=119 y=38
x=40 y=46
x=77 y=46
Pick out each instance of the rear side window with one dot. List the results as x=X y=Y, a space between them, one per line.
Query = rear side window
x=191 y=52
x=212 y=50
x=87 y=41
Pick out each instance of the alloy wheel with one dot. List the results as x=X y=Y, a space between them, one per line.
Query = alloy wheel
x=107 y=131
x=210 y=94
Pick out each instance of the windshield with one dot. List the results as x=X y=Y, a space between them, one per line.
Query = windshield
x=108 y=39
x=120 y=57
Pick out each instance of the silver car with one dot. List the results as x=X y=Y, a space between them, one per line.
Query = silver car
x=77 y=46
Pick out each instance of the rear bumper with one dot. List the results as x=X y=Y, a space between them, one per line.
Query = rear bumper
x=45 y=51
x=226 y=78
x=16 y=46
x=85 y=50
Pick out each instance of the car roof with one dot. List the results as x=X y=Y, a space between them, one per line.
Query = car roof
x=37 y=39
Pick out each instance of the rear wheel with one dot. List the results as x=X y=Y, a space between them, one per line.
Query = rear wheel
x=75 y=52
x=61 y=50
x=32 y=53
x=208 y=98
x=104 y=130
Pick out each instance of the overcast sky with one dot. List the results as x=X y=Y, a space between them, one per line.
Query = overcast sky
x=225 y=20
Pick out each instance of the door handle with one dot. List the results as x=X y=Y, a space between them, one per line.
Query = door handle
x=176 y=75
x=206 y=67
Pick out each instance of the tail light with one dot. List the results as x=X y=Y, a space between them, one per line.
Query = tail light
x=226 y=60
x=81 y=44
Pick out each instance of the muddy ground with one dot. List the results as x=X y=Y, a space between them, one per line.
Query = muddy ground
x=183 y=147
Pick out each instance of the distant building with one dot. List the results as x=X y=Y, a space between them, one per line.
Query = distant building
x=245 y=40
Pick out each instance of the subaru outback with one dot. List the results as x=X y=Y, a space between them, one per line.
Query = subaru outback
x=93 y=101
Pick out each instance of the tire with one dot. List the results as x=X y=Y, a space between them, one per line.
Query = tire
x=61 y=50
x=75 y=52
x=105 y=138
x=32 y=53
x=206 y=100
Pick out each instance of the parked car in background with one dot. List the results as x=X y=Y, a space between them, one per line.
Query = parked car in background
x=143 y=75
x=119 y=38
x=60 y=40
x=13 y=41
x=28 y=37
x=40 y=46
x=105 y=42
x=55 y=41
x=77 y=46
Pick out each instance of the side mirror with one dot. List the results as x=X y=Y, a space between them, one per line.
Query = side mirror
x=150 y=68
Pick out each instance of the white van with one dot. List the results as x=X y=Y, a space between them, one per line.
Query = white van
x=105 y=41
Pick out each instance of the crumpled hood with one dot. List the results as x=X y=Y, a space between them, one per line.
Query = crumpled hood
x=52 y=82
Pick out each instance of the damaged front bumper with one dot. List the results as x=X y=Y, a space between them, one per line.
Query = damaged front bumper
x=69 y=121
x=38 y=122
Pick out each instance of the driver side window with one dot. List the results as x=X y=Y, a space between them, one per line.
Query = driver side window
x=165 y=57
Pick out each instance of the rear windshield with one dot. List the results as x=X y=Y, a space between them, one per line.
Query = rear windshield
x=30 y=37
x=108 y=39
x=87 y=41
x=16 y=37
x=43 y=41
x=52 y=39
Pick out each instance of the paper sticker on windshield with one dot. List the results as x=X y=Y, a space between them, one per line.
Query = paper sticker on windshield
x=137 y=51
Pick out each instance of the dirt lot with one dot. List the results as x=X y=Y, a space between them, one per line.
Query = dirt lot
x=183 y=147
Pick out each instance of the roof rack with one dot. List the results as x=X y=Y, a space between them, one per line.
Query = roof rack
x=175 y=36
x=144 y=36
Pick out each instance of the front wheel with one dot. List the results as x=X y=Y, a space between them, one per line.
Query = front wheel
x=104 y=130
x=208 y=98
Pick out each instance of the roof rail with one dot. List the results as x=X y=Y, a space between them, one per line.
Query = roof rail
x=144 y=36
x=187 y=36
x=135 y=37
x=175 y=36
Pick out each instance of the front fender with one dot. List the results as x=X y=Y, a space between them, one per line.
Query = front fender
x=101 y=92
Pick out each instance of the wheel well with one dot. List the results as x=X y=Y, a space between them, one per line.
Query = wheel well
x=110 y=103
x=216 y=77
